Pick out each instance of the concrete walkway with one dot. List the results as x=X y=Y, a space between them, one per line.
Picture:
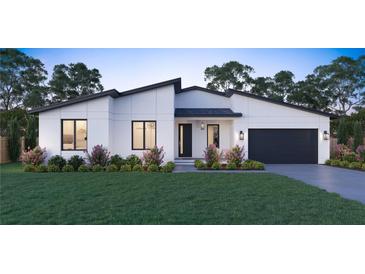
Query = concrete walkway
x=348 y=183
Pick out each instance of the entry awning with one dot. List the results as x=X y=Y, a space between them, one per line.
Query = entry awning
x=206 y=112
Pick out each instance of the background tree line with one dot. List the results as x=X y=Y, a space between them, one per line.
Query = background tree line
x=24 y=86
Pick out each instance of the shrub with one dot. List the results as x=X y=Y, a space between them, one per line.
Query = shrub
x=198 y=163
x=342 y=132
x=363 y=166
x=126 y=168
x=343 y=163
x=153 y=156
x=29 y=168
x=53 y=168
x=216 y=165
x=355 y=165
x=212 y=155
x=358 y=135
x=58 y=161
x=41 y=168
x=335 y=162
x=235 y=155
x=350 y=157
x=76 y=161
x=169 y=167
x=251 y=164
x=99 y=156
x=34 y=156
x=133 y=160
x=152 y=168
x=360 y=151
x=112 y=168
x=31 y=132
x=328 y=162
x=13 y=131
x=340 y=151
x=83 y=168
x=97 y=168
x=68 y=168
x=137 y=167
x=117 y=161
x=231 y=166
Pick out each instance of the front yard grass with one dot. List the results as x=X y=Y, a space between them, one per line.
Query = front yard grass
x=155 y=198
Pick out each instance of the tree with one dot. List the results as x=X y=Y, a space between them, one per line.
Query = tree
x=310 y=93
x=74 y=80
x=345 y=80
x=262 y=86
x=14 y=139
x=31 y=132
x=342 y=132
x=283 y=85
x=230 y=75
x=358 y=135
x=21 y=80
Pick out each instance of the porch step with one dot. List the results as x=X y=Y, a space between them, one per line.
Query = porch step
x=184 y=161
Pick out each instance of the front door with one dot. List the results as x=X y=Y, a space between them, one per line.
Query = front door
x=185 y=140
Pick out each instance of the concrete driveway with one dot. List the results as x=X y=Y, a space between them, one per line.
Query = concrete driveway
x=348 y=183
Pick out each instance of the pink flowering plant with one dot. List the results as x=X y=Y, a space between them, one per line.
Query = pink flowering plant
x=34 y=156
x=360 y=153
x=341 y=151
x=212 y=155
x=153 y=157
x=99 y=156
x=235 y=155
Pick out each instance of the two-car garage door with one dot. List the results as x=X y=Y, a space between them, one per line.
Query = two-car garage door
x=283 y=146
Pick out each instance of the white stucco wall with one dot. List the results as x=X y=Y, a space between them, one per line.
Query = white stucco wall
x=98 y=125
x=156 y=104
x=201 y=99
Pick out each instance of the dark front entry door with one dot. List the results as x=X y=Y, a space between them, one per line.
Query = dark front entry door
x=283 y=146
x=185 y=140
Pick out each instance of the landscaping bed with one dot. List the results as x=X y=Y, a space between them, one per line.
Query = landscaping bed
x=344 y=157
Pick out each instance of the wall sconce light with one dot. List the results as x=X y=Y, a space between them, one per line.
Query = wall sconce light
x=202 y=125
x=242 y=135
x=326 y=135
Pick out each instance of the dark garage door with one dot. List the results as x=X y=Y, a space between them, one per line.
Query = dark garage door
x=283 y=146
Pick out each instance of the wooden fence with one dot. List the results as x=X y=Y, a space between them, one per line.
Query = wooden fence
x=4 y=152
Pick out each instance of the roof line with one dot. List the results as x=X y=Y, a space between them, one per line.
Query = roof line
x=205 y=90
x=112 y=92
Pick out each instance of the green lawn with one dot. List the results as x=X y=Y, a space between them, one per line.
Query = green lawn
x=153 y=198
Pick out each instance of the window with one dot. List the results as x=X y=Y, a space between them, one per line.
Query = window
x=213 y=135
x=74 y=134
x=143 y=135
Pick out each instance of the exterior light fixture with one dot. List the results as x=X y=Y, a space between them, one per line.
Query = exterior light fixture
x=326 y=135
x=242 y=135
x=202 y=125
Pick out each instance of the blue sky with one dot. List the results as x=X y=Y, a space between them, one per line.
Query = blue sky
x=130 y=68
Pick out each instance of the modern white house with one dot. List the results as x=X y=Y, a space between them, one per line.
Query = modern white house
x=185 y=121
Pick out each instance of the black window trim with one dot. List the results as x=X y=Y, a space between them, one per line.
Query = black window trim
x=219 y=136
x=74 y=120
x=144 y=135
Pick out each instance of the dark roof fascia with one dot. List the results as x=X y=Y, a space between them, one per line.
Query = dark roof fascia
x=243 y=93
x=112 y=92
x=228 y=113
x=176 y=82
x=215 y=92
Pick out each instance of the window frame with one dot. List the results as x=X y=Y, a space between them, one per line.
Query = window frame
x=219 y=135
x=74 y=121
x=144 y=133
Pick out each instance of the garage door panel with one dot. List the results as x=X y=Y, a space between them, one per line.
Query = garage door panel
x=283 y=146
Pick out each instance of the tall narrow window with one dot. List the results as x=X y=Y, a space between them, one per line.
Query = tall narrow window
x=213 y=135
x=143 y=135
x=74 y=135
